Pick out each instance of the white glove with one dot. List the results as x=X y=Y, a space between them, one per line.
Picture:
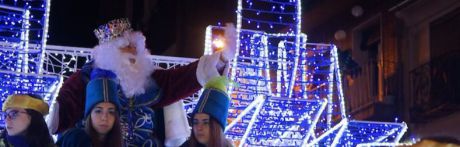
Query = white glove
x=210 y=65
x=208 y=68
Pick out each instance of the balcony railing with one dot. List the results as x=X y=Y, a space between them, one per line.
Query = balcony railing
x=435 y=88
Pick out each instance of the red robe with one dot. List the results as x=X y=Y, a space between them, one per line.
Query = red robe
x=176 y=84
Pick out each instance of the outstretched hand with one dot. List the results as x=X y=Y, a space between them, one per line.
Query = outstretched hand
x=220 y=60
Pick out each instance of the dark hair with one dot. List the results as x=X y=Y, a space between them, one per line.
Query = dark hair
x=216 y=135
x=37 y=133
x=113 y=138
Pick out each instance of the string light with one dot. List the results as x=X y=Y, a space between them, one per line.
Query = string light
x=23 y=23
x=285 y=83
x=44 y=34
x=27 y=83
x=24 y=27
x=274 y=61
x=208 y=41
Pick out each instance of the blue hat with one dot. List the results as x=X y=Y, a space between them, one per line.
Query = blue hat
x=101 y=88
x=215 y=101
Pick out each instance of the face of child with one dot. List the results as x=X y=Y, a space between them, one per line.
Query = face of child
x=201 y=127
x=17 y=121
x=103 y=117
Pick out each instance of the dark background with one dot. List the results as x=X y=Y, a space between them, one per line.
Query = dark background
x=172 y=27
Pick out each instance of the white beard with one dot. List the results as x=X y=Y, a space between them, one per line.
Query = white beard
x=134 y=77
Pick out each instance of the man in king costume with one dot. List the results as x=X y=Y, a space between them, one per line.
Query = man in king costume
x=142 y=86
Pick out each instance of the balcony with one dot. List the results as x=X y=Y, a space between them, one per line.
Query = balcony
x=435 y=88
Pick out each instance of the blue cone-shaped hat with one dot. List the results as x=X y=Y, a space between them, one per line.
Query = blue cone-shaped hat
x=214 y=100
x=102 y=88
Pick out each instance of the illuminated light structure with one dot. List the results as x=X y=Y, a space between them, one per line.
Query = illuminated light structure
x=23 y=34
x=289 y=91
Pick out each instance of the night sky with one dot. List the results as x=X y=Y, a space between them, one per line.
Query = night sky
x=166 y=23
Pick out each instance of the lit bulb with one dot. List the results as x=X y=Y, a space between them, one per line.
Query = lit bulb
x=218 y=43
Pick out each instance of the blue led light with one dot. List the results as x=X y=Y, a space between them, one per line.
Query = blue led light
x=23 y=24
x=279 y=72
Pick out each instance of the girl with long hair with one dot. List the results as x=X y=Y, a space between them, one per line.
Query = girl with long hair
x=209 y=117
x=24 y=122
x=102 y=120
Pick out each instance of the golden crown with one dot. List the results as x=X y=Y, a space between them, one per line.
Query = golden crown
x=112 y=29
